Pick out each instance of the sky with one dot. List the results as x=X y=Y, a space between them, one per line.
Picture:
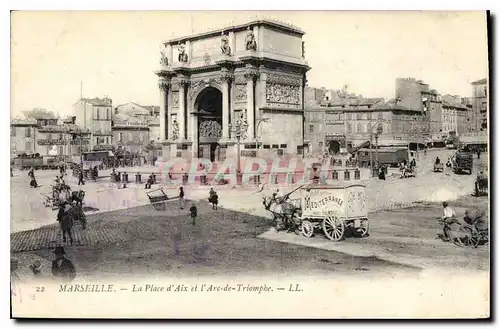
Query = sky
x=57 y=55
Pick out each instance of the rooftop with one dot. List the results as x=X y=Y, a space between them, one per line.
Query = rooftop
x=480 y=82
x=39 y=114
x=217 y=32
x=105 y=101
x=64 y=128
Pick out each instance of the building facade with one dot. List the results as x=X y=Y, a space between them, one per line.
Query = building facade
x=243 y=83
x=95 y=114
x=42 y=133
x=415 y=95
x=132 y=136
x=479 y=115
x=65 y=139
x=455 y=115
x=22 y=136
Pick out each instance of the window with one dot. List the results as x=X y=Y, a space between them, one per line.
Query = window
x=97 y=113
x=311 y=128
x=267 y=146
x=283 y=146
x=358 y=128
x=320 y=144
x=120 y=137
x=348 y=116
x=13 y=131
x=380 y=115
x=27 y=132
x=349 y=128
x=358 y=116
x=275 y=146
x=49 y=137
x=108 y=114
x=280 y=152
x=369 y=115
x=485 y=91
x=61 y=136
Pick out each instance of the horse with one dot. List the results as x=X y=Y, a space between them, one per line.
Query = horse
x=77 y=196
x=283 y=209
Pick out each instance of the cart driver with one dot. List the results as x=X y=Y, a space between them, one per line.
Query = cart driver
x=449 y=217
x=438 y=160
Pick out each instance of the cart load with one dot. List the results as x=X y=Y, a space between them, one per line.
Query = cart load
x=337 y=210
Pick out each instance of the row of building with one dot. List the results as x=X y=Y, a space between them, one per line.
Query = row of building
x=417 y=115
x=333 y=119
x=96 y=125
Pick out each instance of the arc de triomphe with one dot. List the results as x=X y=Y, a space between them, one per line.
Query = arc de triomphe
x=243 y=82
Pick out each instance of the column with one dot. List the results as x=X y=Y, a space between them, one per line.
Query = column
x=225 y=106
x=193 y=128
x=250 y=105
x=182 y=110
x=189 y=50
x=164 y=86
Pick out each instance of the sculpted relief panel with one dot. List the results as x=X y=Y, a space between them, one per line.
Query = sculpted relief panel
x=240 y=92
x=210 y=129
x=283 y=90
x=175 y=99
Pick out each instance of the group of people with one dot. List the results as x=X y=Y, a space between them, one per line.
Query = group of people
x=213 y=198
x=476 y=218
x=406 y=167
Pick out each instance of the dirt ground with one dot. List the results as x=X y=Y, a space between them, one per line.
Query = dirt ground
x=225 y=242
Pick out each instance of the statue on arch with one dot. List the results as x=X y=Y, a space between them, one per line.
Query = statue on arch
x=175 y=130
x=224 y=45
x=183 y=57
x=250 y=42
x=164 y=58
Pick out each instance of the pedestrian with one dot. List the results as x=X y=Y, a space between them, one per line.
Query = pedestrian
x=449 y=217
x=478 y=154
x=11 y=174
x=62 y=267
x=193 y=211
x=80 y=177
x=36 y=268
x=181 y=197
x=65 y=219
x=149 y=182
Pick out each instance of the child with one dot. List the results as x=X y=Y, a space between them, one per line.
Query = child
x=193 y=212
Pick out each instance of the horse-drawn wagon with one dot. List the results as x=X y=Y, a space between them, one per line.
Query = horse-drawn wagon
x=337 y=210
x=62 y=193
x=438 y=167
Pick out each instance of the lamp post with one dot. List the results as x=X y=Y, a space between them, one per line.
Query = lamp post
x=238 y=128
x=259 y=121
x=375 y=134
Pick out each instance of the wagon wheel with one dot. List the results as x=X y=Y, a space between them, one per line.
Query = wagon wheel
x=464 y=237
x=307 y=228
x=334 y=228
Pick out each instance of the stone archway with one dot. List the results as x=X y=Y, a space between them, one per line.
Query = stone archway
x=208 y=108
x=334 y=147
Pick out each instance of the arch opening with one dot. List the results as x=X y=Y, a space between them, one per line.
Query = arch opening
x=208 y=107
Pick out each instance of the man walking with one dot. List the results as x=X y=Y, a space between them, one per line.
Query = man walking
x=80 y=177
x=62 y=267
x=181 y=197
x=194 y=213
